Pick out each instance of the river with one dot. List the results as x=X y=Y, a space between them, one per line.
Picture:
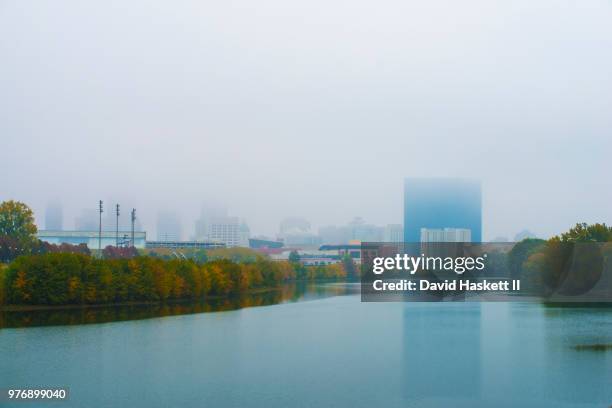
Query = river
x=321 y=347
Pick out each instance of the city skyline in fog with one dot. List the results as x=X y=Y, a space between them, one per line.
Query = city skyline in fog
x=317 y=110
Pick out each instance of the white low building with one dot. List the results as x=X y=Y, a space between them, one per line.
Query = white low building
x=92 y=239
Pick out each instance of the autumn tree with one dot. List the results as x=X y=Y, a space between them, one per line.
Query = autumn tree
x=17 y=228
x=588 y=233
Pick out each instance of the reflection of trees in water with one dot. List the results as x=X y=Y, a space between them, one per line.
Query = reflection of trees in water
x=87 y=315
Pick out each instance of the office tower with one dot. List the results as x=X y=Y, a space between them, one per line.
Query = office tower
x=228 y=230
x=168 y=227
x=333 y=234
x=87 y=220
x=393 y=233
x=208 y=212
x=439 y=203
x=54 y=220
x=295 y=232
x=360 y=231
x=294 y=225
x=446 y=235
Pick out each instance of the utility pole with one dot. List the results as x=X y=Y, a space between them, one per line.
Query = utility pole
x=133 y=220
x=117 y=227
x=100 y=230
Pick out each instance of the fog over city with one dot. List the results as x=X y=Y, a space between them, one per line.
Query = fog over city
x=317 y=109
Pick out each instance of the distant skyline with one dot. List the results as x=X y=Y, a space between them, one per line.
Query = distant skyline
x=314 y=109
x=173 y=227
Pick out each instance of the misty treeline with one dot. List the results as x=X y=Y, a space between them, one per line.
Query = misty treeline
x=39 y=273
x=69 y=278
x=572 y=263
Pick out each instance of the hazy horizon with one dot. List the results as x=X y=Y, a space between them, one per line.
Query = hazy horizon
x=314 y=109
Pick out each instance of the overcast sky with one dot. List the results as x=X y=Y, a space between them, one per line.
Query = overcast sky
x=314 y=108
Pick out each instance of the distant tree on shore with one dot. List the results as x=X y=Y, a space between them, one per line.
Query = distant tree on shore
x=588 y=233
x=569 y=264
x=17 y=230
x=17 y=222
x=294 y=257
x=114 y=252
x=520 y=252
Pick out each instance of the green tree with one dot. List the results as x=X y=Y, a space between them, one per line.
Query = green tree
x=520 y=252
x=588 y=233
x=17 y=222
x=352 y=272
x=294 y=257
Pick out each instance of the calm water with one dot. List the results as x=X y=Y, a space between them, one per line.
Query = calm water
x=330 y=351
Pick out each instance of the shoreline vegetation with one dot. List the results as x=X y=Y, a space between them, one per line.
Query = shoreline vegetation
x=601 y=347
x=56 y=280
x=18 y=316
x=33 y=308
x=35 y=273
x=264 y=291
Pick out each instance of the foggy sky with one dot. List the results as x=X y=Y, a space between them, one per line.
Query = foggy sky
x=311 y=108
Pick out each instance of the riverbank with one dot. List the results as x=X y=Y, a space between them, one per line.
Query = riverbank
x=68 y=279
x=250 y=292
x=19 y=316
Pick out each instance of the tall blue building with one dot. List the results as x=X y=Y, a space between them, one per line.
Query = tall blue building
x=438 y=203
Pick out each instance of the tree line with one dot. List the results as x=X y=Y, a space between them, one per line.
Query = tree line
x=570 y=264
x=79 y=279
x=39 y=273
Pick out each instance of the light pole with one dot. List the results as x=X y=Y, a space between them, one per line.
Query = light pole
x=117 y=227
x=100 y=230
x=133 y=220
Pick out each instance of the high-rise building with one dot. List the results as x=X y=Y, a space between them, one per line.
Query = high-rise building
x=54 y=219
x=168 y=227
x=208 y=213
x=294 y=225
x=446 y=235
x=393 y=233
x=356 y=230
x=360 y=231
x=87 y=220
x=443 y=242
x=229 y=231
x=333 y=234
x=439 y=203
x=295 y=233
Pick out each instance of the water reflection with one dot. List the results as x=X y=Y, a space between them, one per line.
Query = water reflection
x=299 y=291
x=441 y=351
x=476 y=354
x=566 y=328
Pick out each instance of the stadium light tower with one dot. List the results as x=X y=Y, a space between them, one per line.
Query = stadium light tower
x=117 y=226
x=133 y=221
x=100 y=230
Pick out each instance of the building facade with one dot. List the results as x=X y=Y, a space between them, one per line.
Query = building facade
x=446 y=235
x=168 y=227
x=184 y=245
x=439 y=203
x=394 y=233
x=54 y=219
x=229 y=231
